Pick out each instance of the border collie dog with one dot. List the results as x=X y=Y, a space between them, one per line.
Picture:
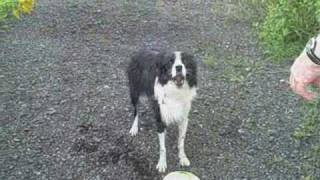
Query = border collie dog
x=169 y=81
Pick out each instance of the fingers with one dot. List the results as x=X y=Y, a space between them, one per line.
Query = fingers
x=300 y=88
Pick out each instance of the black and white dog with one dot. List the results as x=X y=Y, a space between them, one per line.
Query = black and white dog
x=169 y=80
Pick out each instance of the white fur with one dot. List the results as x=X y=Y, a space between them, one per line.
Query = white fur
x=174 y=102
x=178 y=62
x=183 y=125
x=162 y=163
x=134 y=128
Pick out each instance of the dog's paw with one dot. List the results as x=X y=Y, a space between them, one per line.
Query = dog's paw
x=133 y=131
x=162 y=166
x=184 y=161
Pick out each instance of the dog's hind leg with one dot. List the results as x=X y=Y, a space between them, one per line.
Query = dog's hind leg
x=135 y=126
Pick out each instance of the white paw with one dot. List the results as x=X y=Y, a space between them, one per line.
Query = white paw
x=184 y=161
x=133 y=131
x=162 y=166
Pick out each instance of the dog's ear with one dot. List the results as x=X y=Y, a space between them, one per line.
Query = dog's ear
x=161 y=62
x=189 y=61
x=188 y=58
x=158 y=64
x=191 y=66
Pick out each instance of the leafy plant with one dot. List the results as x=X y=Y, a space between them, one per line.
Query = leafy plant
x=287 y=26
x=15 y=8
x=210 y=60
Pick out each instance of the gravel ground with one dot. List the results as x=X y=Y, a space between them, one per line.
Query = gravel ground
x=65 y=111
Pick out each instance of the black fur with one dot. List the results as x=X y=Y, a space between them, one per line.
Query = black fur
x=143 y=69
x=191 y=67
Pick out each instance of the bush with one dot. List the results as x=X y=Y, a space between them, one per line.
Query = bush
x=288 y=25
x=9 y=8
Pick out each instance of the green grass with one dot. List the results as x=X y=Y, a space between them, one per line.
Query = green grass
x=308 y=132
x=283 y=26
x=238 y=11
x=286 y=26
x=310 y=120
x=236 y=69
x=210 y=60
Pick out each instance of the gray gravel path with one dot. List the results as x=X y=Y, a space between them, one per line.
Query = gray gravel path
x=65 y=112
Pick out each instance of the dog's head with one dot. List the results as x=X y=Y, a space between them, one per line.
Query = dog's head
x=178 y=67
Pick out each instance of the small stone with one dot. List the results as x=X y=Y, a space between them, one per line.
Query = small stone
x=96 y=139
x=63 y=101
x=282 y=80
x=26 y=130
x=297 y=143
x=241 y=131
x=271 y=138
x=272 y=132
x=251 y=152
x=51 y=111
x=15 y=157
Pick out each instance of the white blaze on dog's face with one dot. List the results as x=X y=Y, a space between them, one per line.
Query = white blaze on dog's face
x=178 y=70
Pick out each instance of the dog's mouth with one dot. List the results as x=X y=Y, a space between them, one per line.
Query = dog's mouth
x=179 y=80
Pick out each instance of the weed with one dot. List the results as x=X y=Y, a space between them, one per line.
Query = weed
x=309 y=130
x=239 y=69
x=210 y=60
x=311 y=119
x=15 y=7
x=287 y=26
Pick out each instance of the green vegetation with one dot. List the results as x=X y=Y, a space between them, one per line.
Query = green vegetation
x=15 y=7
x=309 y=132
x=287 y=26
x=311 y=120
x=236 y=69
x=210 y=60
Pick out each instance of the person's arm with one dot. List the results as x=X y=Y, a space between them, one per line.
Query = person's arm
x=306 y=70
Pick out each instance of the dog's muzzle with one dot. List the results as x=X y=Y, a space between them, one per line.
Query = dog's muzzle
x=179 y=80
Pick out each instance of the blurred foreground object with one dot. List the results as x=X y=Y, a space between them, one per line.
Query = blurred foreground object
x=181 y=175
x=305 y=70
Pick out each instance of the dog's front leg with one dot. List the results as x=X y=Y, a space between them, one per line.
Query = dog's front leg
x=183 y=125
x=161 y=128
x=162 y=163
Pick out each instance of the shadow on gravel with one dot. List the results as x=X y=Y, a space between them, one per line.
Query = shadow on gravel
x=122 y=150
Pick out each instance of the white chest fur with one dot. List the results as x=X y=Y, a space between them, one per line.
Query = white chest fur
x=174 y=102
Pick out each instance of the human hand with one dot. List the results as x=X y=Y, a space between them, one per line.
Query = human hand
x=303 y=73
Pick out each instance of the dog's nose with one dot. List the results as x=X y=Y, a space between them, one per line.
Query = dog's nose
x=179 y=68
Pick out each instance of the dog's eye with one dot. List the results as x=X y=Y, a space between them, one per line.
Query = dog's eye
x=171 y=60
